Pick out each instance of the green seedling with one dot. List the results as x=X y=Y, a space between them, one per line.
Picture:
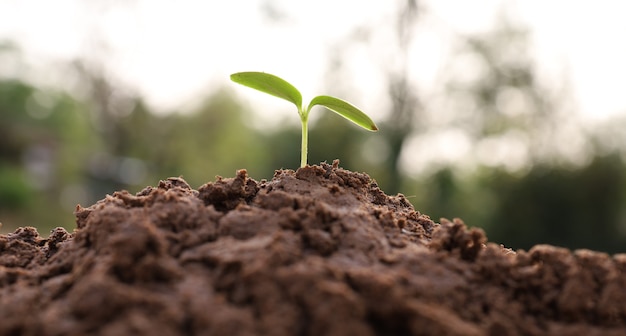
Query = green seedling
x=280 y=88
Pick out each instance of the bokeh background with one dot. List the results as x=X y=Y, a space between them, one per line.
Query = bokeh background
x=510 y=115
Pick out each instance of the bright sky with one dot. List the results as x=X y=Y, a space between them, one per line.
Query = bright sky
x=173 y=51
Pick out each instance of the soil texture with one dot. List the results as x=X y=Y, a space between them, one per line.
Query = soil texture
x=317 y=251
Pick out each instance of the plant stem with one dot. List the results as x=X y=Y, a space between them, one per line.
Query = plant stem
x=305 y=139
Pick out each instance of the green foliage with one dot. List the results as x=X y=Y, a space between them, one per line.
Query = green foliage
x=280 y=88
x=15 y=193
x=573 y=208
x=580 y=208
x=210 y=140
x=43 y=136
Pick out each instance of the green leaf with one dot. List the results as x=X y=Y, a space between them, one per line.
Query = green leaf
x=269 y=84
x=346 y=110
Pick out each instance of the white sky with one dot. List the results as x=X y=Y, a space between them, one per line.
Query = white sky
x=172 y=52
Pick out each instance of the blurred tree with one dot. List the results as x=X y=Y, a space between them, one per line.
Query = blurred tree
x=404 y=102
x=15 y=192
x=282 y=148
x=57 y=151
x=331 y=138
x=404 y=108
x=494 y=95
x=577 y=208
x=540 y=177
x=214 y=139
x=139 y=147
x=530 y=159
x=122 y=131
x=40 y=130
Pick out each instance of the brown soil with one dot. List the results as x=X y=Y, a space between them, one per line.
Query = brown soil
x=318 y=251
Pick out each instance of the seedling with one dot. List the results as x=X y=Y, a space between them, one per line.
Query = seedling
x=280 y=88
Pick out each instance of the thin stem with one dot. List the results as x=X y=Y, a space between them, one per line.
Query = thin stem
x=305 y=139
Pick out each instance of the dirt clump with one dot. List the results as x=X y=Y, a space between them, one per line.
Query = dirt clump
x=317 y=251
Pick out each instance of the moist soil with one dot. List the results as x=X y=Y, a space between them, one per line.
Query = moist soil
x=317 y=251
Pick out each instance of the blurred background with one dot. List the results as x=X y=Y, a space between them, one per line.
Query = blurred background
x=508 y=114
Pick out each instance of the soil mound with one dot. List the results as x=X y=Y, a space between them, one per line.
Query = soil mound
x=317 y=251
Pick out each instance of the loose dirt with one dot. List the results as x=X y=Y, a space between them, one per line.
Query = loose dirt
x=317 y=251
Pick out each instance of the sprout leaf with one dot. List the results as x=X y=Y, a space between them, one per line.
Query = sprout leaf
x=346 y=110
x=269 y=84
